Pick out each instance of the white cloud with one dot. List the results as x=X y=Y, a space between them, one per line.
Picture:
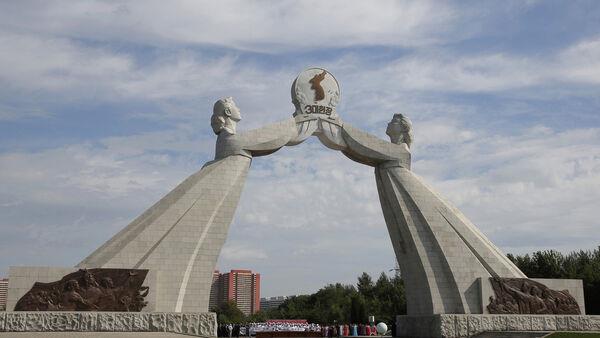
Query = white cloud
x=306 y=208
x=581 y=62
x=241 y=252
x=307 y=215
x=268 y=27
x=55 y=64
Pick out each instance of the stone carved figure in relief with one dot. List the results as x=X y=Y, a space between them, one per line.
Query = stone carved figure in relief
x=525 y=296
x=80 y=291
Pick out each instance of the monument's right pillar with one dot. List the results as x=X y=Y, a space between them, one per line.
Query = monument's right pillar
x=441 y=253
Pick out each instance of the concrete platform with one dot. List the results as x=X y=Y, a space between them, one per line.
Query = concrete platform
x=470 y=325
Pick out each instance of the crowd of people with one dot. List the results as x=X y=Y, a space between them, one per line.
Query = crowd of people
x=341 y=330
x=345 y=330
x=250 y=329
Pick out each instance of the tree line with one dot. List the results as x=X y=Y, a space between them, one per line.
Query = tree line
x=385 y=297
x=334 y=303
x=582 y=264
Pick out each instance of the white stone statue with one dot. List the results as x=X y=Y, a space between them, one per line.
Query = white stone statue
x=225 y=116
x=440 y=252
x=400 y=130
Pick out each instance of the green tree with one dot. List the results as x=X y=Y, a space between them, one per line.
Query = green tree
x=365 y=285
x=348 y=304
x=358 y=309
x=581 y=264
x=229 y=313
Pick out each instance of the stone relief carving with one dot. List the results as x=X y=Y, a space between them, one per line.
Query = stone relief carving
x=89 y=290
x=525 y=296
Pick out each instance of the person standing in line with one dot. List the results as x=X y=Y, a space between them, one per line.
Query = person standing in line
x=346 y=330
x=367 y=330
x=354 y=331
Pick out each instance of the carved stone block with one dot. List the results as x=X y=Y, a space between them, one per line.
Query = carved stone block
x=158 y=322
x=537 y=323
x=518 y=323
x=106 y=321
x=475 y=324
x=549 y=323
x=2 y=319
x=14 y=322
x=447 y=326
x=498 y=323
x=594 y=323
x=574 y=323
x=140 y=322
x=88 y=321
x=34 y=322
x=123 y=322
x=585 y=323
x=62 y=321
x=191 y=323
x=208 y=325
x=174 y=322
x=562 y=323
x=462 y=326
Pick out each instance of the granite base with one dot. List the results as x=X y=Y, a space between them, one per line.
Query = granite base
x=468 y=325
x=194 y=324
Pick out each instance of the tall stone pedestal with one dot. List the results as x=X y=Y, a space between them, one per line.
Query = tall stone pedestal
x=469 y=325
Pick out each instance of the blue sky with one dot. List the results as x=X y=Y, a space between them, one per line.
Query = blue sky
x=105 y=107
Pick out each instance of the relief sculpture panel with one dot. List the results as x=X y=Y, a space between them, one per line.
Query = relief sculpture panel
x=525 y=296
x=89 y=290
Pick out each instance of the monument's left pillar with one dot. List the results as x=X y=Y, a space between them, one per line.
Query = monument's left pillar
x=180 y=236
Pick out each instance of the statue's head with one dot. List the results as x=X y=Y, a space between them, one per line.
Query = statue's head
x=72 y=285
x=89 y=279
x=400 y=130
x=107 y=282
x=225 y=116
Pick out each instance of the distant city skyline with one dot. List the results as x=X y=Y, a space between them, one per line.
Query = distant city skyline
x=105 y=107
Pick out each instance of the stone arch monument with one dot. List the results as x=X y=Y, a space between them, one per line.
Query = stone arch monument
x=446 y=262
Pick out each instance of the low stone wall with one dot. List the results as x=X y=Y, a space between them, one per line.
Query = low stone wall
x=195 y=324
x=458 y=325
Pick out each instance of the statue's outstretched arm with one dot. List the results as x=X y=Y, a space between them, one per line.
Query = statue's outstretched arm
x=371 y=150
x=257 y=142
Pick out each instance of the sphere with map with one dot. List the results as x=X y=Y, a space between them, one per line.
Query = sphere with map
x=315 y=91
x=382 y=328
